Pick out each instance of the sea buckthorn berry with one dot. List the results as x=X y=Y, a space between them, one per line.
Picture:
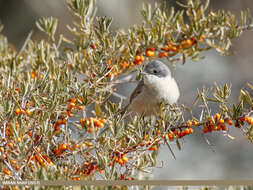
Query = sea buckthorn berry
x=173 y=48
x=223 y=127
x=33 y=75
x=154 y=148
x=27 y=112
x=90 y=130
x=150 y=53
x=202 y=37
x=7 y=171
x=205 y=129
x=230 y=122
x=171 y=136
x=217 y=116
x=175 y=132
x=70 y=114
x=62 y=147
x=158 y=132
x=194 y=122
x=22 y=111
x=142 y=58
x=137 y=58
x=188 y=43
x=182 y=133
x=93 y=46
x=124 y=158
x=221 y=121
x=191 y=130
x=189 y=123
x=18 y=111
x=72 y=104
x=187 y=131
x=79 y=107
x=166 y=48
x=137 y=62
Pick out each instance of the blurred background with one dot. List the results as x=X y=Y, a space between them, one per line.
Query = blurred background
x=226 y=159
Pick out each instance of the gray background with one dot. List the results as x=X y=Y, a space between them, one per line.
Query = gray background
x=196 y=160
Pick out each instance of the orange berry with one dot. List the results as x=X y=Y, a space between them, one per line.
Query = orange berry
x=102 y=120
x=13 y=162
x=72 y=104
x=10 y=144
x=158 y=132
x=166 y=48
x=175 y=132
x=191 y=130
x=221 y=121
x=18 y=111
x=202 y=37
x=223 y=127
x=7 y=171
x=173 y=48
x=89 y=144
x=33 y=75
x=93 y=46
x=124 y=158
x=137 y=62
x=22 y=111
x=90 y=130
x=194 y=122
x=182 y=133
x=150 y=53
x=1 y=149
x=121 y=162
x=28 y=112
x=37 y=149
x=187 y=131
x=154 y=148
x=170 y=136
x=189 y=123
x=230 y=122
x=79 y=107
x=62 y=147
x=188 y=42
x=205 y=129
x=218 y=128
x=17 y=167
x=70 y=114
x=137 y=58
x=217 y=116
x=142 y=58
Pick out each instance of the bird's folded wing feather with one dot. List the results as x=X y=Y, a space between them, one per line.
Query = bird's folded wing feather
x=137 y=91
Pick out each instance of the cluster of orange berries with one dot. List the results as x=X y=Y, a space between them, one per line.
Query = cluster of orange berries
x=41 y=159
x=121 y=159
x=248 y=119
x=72 y=103
x=62 y=147
x=33 y=75
x=19 y=111
x=217 y=124
x=91 y=121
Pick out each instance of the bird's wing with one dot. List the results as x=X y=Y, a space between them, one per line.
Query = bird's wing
x=137 y=90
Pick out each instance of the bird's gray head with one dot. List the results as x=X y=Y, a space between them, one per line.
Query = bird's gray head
x=157 y=68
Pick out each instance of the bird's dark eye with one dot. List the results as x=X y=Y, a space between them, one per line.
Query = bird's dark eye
x=155 y=71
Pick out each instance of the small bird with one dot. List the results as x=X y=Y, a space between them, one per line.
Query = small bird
x=157 y=85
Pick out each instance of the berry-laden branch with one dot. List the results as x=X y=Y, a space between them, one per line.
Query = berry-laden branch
x=56 y=120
